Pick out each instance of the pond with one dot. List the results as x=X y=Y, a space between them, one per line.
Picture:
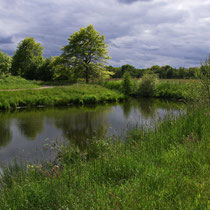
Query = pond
x=26 y=134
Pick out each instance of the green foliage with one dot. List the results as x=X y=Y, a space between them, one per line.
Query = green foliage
x=62 y=71
x=58 y=96
x=5 y=63
x=46 y=71
x=85 y=54
x=114 y=85
x=172 y=90
x=164 y=168
x=126 y=84
x=27 y=59
x=147 y=85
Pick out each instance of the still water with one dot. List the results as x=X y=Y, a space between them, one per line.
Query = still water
x=24 y=134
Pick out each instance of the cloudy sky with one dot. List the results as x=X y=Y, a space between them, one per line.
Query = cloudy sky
x=139 y=32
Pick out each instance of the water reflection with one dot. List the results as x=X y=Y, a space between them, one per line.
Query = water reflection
x=147 y=108
x=81 y=125
x=5 y=132
x=30 y=124
x=78 y=125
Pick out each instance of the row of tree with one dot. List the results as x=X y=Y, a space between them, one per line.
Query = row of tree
x=164 y=72
x=85 y=56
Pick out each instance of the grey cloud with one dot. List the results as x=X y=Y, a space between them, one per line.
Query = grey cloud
x=142 y=35
x=6 y=40
x=132 y=1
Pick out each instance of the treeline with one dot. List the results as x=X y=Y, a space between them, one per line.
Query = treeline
x=75 y=63
x=164 y=72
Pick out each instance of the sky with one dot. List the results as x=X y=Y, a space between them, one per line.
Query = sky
x=141 y=33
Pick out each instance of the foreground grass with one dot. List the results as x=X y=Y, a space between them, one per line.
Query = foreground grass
x=58 y=96
x=12 y=82
x=167 y=168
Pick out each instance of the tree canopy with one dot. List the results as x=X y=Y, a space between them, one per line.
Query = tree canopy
x=27 y=58
x=86 y=54
x=5 y=63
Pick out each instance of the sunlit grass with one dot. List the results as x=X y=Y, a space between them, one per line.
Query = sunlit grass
x=58 y=96
x=12 y=82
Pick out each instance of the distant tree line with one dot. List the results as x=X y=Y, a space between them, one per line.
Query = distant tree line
x=84 y=57
x=164 y=72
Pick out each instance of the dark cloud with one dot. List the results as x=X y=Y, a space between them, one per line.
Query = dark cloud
x=6 y=40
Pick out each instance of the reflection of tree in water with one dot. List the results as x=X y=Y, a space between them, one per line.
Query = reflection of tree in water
x=127 y=107
x=30 y=124
x=147 y=107
x=80 y=128
x=5 y=133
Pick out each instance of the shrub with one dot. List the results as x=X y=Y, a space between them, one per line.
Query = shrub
x=147 y=85
x=126 y=84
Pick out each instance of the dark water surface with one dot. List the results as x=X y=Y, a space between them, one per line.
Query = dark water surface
x=24 y=134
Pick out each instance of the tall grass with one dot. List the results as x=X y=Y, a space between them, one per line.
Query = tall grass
x=166 y=168
x=188 y=90
x=12 y=82
x=58 y=96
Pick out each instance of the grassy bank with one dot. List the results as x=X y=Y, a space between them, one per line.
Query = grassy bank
x=12 y=82
x=170 y=89
x=167 y=168
x=58 y=96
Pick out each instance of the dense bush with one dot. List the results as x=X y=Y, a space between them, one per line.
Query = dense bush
x=147 y=85
x=126 y=84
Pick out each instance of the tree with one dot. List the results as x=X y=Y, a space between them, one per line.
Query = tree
x=86 y=53
x=127 y=84
x=46 y=70
x=5 y=63
x=27 y=58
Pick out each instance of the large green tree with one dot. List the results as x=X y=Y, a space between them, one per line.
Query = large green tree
x=86 y=54
x=5 y=63
x=27 y=58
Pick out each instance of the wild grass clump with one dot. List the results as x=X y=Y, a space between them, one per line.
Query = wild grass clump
x=164 y=168
x=171 y=90
x=114 y=85
x=13 y=82
x=58 y=96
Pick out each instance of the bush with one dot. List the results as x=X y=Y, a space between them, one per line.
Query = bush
x=126 y=84
x=147 y=85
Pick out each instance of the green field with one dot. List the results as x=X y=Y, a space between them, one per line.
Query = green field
x=167 y=168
